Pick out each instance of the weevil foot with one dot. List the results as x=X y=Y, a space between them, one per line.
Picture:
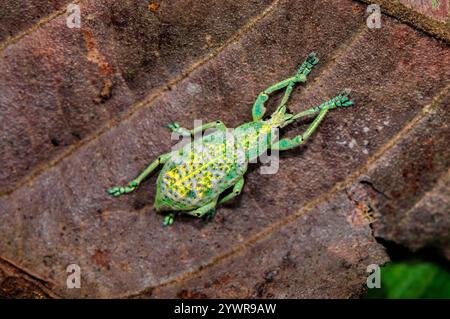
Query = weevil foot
x=343 y=99
x=312 y=58
x=210 y=215
x=117 y=191
x=306 y=67
x=169 y=219
x=173 y=126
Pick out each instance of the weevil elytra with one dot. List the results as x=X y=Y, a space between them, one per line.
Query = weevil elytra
x=194 y=176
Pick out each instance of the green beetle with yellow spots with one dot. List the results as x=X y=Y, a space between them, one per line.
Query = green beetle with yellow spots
x=195 y=175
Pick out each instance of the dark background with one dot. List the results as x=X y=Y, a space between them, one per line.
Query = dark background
x=84 y=109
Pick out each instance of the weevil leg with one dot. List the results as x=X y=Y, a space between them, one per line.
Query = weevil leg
x=134 y=184
x=201 y=211
x=175 y=127
x=237 y=188
x=302 y=73
x=259 y=109
x=287 y=143
x=342 y=100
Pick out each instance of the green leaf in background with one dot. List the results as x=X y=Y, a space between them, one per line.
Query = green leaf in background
x=413 y=279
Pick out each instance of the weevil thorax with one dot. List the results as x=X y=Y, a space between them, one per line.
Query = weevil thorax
x=256 y=137
x=279 y=119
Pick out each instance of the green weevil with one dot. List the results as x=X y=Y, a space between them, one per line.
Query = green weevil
x=194 y=176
